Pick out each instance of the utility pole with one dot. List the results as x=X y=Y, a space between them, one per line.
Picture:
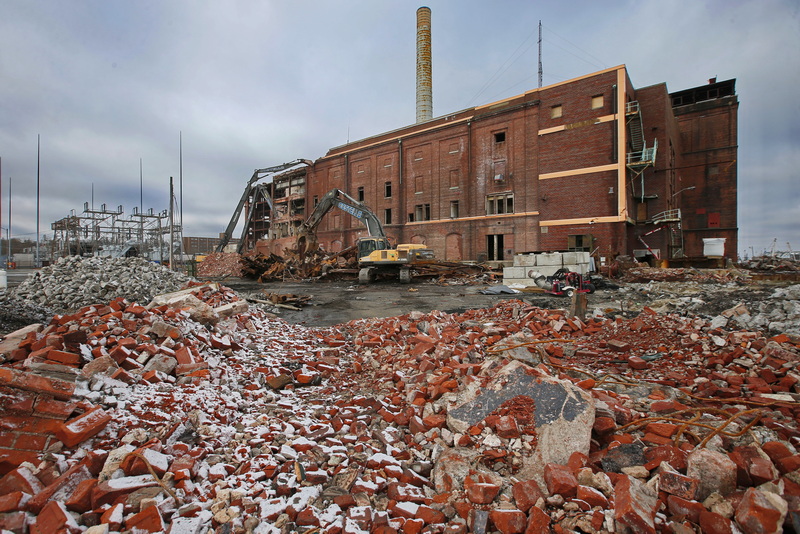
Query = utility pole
x=171 y=224
x=10 y=248
x=38 y=151
x=1 y=210
x=141 y=205
x=180 y=203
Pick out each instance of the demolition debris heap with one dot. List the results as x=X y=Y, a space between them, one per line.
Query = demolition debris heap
x=195 y=413
x=73 y=282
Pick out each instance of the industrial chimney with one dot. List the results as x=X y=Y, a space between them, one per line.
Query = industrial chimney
x=424 y=67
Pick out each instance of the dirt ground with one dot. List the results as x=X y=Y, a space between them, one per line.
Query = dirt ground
x=334 y=303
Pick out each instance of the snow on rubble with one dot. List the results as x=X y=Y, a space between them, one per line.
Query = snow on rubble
x=195 y=413
x=75 y=281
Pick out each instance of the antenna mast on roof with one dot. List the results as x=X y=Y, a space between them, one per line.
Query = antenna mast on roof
x=540 y=54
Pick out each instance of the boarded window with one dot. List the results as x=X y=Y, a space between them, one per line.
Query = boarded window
x=597 y=101
x=454 y=209
x=555 y=112
x=455 y=177
x=713 y=220
x=579 y=243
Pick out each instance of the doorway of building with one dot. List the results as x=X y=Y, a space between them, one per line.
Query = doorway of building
x=494 y=247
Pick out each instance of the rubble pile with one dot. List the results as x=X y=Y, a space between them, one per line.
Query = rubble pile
x=196 y=414
x=648 y=274
x=271 y=267
x=17 y=313
x=220 y=264
x=772 y=263
x=780 y=313
x=73 y=282
x=322 y=265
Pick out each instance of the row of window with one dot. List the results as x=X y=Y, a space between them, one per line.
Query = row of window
x=495 y=205
x=557 y=111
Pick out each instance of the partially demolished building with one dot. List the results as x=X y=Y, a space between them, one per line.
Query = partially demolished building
x=590 y=164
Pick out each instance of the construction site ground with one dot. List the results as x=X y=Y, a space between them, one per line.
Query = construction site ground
x=331 y=303
x=238 y=407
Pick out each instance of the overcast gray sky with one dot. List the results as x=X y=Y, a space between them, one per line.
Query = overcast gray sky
x=250 y=84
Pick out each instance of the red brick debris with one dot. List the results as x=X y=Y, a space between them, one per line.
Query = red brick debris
x=220 y=264
x=130 y=418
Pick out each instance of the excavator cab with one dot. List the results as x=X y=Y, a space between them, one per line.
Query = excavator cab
x=368 y=245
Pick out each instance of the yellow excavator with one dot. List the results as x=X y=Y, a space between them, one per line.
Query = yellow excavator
x=376 y=256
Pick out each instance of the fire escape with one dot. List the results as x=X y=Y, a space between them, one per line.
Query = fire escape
x=640 y=157
x=669 y=221
x=638 y=160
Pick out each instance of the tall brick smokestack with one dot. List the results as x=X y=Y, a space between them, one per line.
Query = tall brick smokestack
x=424 y=66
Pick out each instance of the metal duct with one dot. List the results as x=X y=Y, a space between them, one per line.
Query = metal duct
x=424 y=65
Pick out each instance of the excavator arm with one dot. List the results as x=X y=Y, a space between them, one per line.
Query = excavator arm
x=307 y=238
x=258 y=174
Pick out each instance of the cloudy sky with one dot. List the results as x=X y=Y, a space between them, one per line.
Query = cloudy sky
x=249 y=84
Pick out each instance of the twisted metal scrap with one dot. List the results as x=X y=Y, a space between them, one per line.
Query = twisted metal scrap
x=155 y=476
x=694 y=422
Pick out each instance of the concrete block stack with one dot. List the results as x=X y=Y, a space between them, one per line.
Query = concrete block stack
x=511 y=419
x=546 y=263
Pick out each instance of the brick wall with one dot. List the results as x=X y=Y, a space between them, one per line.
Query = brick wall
x=710 y=144
x=502 y=149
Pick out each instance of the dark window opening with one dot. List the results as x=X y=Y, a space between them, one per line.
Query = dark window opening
x=387 y=190
x=500 y=137
x=387 y=216
x=361 y=194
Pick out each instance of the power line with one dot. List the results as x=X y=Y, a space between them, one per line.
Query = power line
x=600 y=63
x=522 y=49
x=503 y=68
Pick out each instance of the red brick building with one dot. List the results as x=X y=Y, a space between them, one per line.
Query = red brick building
x=587 y=164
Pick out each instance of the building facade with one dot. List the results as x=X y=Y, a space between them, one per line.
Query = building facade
x=590 y=164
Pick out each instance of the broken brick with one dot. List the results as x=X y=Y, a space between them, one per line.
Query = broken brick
x=83 y=427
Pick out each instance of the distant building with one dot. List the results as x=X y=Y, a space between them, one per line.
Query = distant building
x=199 y=245
x=589 y=164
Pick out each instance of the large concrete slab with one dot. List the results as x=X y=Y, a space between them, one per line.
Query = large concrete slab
x=563 y=414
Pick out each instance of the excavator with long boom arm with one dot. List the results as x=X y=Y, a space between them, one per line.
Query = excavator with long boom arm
x=375 y=253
